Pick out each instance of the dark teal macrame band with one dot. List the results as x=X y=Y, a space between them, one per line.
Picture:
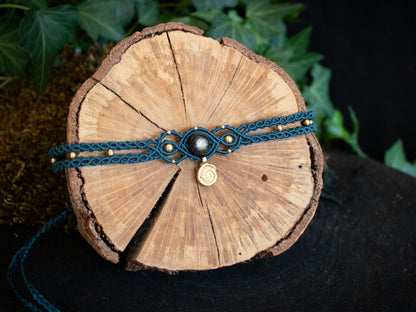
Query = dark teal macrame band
x=155 y=149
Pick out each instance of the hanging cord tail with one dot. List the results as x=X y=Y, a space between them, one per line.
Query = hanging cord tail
x=33 y=300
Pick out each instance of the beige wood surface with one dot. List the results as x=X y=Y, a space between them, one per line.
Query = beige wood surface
x=171 y=77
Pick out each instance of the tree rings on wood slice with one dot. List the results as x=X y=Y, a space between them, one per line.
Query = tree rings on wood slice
x=156 y=214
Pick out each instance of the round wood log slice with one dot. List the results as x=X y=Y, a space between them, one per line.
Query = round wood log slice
x=156 y=215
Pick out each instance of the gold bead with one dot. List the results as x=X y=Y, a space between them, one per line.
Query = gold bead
x=196 y=128
x=110 y=152
x=310 y=122
x=173 y=161
x=222 y=127
x=228 y=139
x=168 y=148
x=204 y=159
x=72 y=155
x=168 y=132
x=229 y=150
x=53 y=160
x=306 y=122
x=279 y=128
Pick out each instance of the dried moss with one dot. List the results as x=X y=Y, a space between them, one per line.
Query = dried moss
x=30 y=192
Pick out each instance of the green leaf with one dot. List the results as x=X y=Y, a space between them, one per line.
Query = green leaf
x=295 y=67
x=279 y=39
x=98 y=19
x=292 y=55
x=207 y=16
x=317 y=94
x=205 y=5
x=299 y=42
x=335 y=127
x=395 y=157
x=13 y=58
x=264 y=16
x=44 y=32
x=124 y=11
x=148 y=12
x=354 y=136
x=298 y=67
x=224 y=26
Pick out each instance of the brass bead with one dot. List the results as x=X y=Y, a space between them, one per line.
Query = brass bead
x=229 y=150
x=53 y=160
x=72 y=155
x=168 y=148
x=173 y=161
x=222 y=127
x=168 y=132
x=310 y=122
x=204 y=159
x=228 y=139
x=196 y=128
x=306 y=122
x=110 y=152
x=279 y=128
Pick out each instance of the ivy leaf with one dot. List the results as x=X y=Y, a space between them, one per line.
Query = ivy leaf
x=44 y=32
x=395 y=157
x=264 y=16
x=299 y=42
x=335 y=130
x=148 y=12
x=224 y=26
x=98 y=19
x=13 y=58
x=335 y=127
x=317 y=94
x=292 y=55
x=279 y=39
x=205 y=5
x=123 y=12
x=298 y=67
x=207 y=16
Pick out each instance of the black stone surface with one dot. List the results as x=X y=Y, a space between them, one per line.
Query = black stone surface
x=199 y=144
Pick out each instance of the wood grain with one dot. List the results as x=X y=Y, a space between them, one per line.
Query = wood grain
x=170 y=77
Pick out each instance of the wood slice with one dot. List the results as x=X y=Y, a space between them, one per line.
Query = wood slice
x=156 y=214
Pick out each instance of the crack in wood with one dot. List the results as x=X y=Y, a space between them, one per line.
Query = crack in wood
x=129 y=105
x=226 y=89
x=179 y=75
x=138 y=240
x=210 y=218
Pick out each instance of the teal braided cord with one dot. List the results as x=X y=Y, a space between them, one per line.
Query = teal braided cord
x=35 y=300
x=154 y=149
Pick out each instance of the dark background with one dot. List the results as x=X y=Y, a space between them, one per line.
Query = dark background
x=370 y=48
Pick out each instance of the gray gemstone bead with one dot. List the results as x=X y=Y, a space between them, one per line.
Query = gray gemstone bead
x=199 y=144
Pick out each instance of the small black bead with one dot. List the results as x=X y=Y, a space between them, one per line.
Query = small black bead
x=199 y=144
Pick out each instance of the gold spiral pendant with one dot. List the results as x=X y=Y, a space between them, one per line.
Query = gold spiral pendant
x=207 y=174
